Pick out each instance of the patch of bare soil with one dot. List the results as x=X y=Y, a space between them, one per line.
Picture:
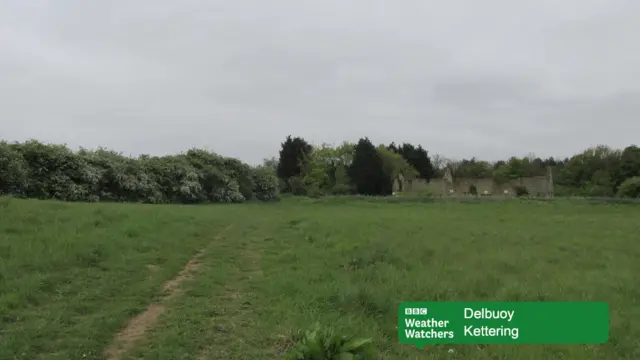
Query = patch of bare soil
x=137 y=328
x=171 y=287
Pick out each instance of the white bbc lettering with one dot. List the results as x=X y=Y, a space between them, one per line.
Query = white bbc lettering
x=415 y=311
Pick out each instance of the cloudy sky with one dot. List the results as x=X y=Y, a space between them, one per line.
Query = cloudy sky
x=490 y=78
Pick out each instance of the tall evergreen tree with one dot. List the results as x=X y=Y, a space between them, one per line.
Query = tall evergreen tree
x=293 y=156
x=417 y=157
x=367 y=170
x=393 y=147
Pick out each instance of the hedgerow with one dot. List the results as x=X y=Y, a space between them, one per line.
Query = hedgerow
x=47 y=171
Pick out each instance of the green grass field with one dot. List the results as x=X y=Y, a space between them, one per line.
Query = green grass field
x=72 y=275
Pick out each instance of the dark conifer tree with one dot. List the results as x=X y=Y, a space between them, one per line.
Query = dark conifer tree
x=293 y=155
x=367 y=170
x=417 y=157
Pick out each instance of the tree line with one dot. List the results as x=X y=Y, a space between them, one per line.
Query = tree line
x=47 y=171
x=363 y=168
x=360 y=168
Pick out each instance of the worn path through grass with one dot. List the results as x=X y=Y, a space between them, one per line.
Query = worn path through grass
x=72 y=275
x=138 y=327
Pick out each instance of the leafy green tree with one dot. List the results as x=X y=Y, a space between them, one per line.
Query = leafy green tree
x=316 y=171
x=593 y=172
x=630 y=188
x=271 y=163
x=474 y=169
x=629 y=164
x=395 y=167
x=439 y=163
x=325 y=169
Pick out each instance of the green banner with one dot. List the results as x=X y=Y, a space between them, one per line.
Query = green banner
x=423 y=323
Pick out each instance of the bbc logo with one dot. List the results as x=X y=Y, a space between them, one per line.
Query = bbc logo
x=415 y=311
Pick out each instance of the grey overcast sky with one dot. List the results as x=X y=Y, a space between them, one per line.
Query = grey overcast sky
x=463 y=78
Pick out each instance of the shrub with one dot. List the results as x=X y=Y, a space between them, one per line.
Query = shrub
x=13 y=170
x=473 y=190
x=128 y=180
x=38 y=170
x=341 y=189
x=242 y=174
x=265 y=184
x=53 y=171
x=5 y=201
x=630 y=188
x=314 y=191
x=598 y=190
x=217 y=172
x=521 y=190
x=321 y=344
x=296 y=184
x=229 y=193
x=425 y=193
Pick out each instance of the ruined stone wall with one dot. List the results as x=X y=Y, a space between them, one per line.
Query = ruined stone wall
x=537 y=186
x=435 y=186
